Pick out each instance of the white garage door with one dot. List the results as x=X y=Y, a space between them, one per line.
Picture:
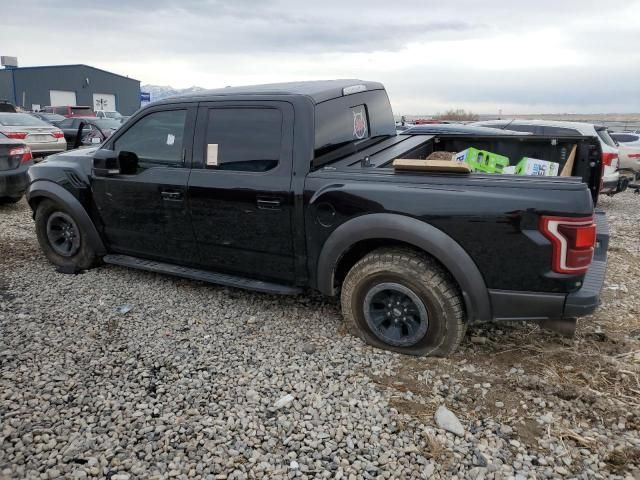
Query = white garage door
x=104 y=101
x=61 y=98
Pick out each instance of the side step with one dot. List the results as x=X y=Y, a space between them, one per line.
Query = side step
x=202 y=275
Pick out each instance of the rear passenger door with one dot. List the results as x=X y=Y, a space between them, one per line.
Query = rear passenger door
x=240 y=189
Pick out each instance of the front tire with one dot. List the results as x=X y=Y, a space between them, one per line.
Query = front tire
x=61 y=238
x=402 y=300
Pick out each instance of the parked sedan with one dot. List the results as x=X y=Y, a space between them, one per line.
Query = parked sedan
x=15 y=160
x=41 y=137
x=92 y=127
x=629 y=152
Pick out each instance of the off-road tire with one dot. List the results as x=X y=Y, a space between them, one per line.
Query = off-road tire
x=423 y=276
x=84 y=258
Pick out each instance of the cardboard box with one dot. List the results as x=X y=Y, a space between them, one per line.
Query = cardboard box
x=537 y=167
x=482 y=160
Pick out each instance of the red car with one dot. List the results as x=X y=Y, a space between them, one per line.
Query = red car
x=71 y=111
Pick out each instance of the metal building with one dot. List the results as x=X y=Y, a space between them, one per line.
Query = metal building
x=33 y=88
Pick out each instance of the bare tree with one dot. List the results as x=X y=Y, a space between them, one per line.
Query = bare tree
x=458 y=115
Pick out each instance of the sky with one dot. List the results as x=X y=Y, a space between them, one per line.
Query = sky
x=517 y=56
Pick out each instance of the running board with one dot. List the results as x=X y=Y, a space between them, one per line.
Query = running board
x=202 y=275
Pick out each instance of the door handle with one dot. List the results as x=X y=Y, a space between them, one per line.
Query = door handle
x=268 y=204
x=175 y=196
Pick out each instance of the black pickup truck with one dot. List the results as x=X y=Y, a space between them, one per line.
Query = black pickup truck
x=282 y=187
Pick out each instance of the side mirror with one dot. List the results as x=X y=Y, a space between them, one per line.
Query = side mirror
x=128 y=163
x=107 y=163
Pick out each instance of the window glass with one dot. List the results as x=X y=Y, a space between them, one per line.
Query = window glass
x=52 y=117
x=603 y=133
x=81 y=110
x=21 y=120
x=66 y=123
x=520 y=128
x=156 y=138
x=560 y=131
x=243 y=139
x=625 y=137
x=352 y=120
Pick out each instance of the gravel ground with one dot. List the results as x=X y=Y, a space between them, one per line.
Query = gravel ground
x=197 y=380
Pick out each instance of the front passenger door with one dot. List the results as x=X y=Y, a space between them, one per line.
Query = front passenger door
x=144 y=213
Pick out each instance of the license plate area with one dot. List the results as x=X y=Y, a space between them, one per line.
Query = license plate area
x=41 y=138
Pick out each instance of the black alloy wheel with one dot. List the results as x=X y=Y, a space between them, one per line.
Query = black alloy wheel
x=395 y=314
x=63 y=234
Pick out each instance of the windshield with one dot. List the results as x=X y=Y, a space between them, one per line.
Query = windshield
x=81 y=110
x=603 y=133
x=51 y=117
x=115 y=115
x=106 y=123
x=21 y=120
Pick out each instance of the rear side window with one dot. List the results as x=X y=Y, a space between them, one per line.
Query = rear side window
x=352 y=119
x=243 y=139
x=523 y=128
x=603 y=133
x=560 y=131
x=625 y=137
x=156 y=138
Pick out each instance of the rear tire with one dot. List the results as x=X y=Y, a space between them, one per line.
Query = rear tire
x=402 y=300
x=61 y=238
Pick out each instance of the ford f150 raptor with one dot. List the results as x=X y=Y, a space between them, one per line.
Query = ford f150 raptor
x=283 y=187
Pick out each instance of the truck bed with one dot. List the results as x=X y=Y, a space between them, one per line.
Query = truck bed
x=379 y=157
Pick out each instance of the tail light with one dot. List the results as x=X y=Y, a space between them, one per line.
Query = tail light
x=573 y=241
x=58 y=134
x=609 y=158
x=24 y=152
x=15 y=135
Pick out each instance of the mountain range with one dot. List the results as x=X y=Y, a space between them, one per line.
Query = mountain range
x=158 y=92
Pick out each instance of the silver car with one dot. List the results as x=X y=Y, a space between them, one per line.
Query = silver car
x=41 y=137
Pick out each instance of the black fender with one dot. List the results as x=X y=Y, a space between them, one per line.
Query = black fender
x=53 y=191
x=414 y=232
